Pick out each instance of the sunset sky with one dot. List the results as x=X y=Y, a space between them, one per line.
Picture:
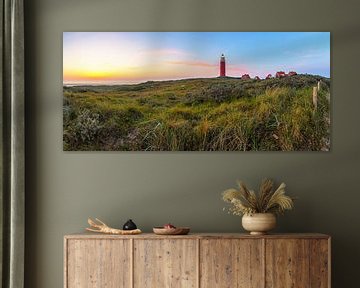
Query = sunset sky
x=133 y=57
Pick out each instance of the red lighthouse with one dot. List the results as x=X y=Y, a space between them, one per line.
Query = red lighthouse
x=222 y=66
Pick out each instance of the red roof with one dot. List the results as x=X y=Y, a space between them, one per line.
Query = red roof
x=280 y=74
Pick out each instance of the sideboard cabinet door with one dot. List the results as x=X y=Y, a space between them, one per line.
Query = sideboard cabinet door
x=297 y=263
x=98 y=263
x=320 y=263
x=231 y=263
x=287 y=263
x=165 y=263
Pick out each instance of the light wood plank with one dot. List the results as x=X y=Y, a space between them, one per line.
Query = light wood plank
x=89 y=235
x=166 y=263
x=66 y=263
x=287 y=263
x=98 y=264
x=231 y=263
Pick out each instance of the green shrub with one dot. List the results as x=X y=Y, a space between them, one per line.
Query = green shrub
x=84 y=129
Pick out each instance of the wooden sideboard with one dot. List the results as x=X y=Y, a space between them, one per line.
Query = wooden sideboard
x=197 y=260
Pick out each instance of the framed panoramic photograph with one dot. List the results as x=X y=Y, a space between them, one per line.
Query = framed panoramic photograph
x=196 y=91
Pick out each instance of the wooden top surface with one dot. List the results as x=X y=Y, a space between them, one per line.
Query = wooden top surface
x=88 y=235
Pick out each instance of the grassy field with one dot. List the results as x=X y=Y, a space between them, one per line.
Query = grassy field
x=212 y=114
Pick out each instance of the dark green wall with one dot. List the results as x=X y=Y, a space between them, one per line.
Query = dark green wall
x=63 y=189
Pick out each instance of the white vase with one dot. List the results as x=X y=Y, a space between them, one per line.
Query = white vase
x=259 y=223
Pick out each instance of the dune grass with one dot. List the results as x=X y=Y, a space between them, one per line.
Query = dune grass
x=217 y=114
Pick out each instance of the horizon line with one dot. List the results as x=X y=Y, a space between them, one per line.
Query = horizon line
x=117 y=83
